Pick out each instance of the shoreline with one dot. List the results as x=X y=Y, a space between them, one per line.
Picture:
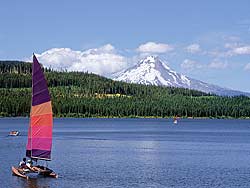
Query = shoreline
x=133 y=117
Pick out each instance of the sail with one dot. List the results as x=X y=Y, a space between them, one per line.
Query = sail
x=41 y=118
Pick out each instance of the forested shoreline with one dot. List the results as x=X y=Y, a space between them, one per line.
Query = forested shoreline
x=78 y=94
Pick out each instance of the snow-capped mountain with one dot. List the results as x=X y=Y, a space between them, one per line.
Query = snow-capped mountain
x=152 y=71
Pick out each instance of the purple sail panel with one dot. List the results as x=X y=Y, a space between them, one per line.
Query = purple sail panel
x=40 y=92
x=42 y=154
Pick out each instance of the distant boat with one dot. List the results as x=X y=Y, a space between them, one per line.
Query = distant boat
x=175 y=120
x=13 y=133
x=40 y=129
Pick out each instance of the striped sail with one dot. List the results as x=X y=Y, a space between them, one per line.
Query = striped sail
x=41 y=118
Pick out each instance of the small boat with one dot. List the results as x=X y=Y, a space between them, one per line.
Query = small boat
x=13 y=133
x=175 y=120
x=39 y=142
x=34 y=172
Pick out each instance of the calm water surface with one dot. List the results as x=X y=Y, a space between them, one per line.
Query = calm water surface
x=135 y=153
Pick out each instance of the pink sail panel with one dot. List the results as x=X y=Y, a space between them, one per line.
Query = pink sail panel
x=41 y=118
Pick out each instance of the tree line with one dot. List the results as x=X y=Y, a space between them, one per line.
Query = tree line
x=78 y=94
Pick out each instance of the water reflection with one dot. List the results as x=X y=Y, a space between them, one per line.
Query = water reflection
x=34 y=183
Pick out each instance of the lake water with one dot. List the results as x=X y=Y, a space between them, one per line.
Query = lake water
x=135 y=153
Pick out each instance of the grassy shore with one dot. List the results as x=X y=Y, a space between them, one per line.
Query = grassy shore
x=117 y=117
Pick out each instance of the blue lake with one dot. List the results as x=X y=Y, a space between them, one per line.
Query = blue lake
x=135 y=153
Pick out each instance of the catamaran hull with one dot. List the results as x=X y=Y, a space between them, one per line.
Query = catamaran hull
x=32 y=174
x=17 y=172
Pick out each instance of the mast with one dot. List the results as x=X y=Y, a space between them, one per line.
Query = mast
x=41 y=118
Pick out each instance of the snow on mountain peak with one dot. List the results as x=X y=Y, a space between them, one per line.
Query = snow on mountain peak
x=152 y=71
x=151 y=59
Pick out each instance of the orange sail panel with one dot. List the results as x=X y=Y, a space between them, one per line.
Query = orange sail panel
x=41 y=117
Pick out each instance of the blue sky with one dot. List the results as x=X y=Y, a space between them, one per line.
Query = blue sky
x=206 y=40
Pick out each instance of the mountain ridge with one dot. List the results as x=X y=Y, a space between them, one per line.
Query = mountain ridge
x=152 y=71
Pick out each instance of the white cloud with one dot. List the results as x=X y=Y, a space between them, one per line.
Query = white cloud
x=218 y=65
x=190 y=65
x=247 y=67
x=103 y=60
x=193 y=48
x=231 y=49
x=152 y=47
x=237 y=49
x=231 y=45
x=241 y=50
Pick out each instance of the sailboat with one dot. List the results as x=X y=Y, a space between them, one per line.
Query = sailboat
x=39 y=142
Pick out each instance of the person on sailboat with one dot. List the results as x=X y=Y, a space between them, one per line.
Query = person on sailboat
x=30 y=166
x=29 y=163
x=22 y=163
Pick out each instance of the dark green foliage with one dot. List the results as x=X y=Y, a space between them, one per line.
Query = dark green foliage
x=76 y=94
